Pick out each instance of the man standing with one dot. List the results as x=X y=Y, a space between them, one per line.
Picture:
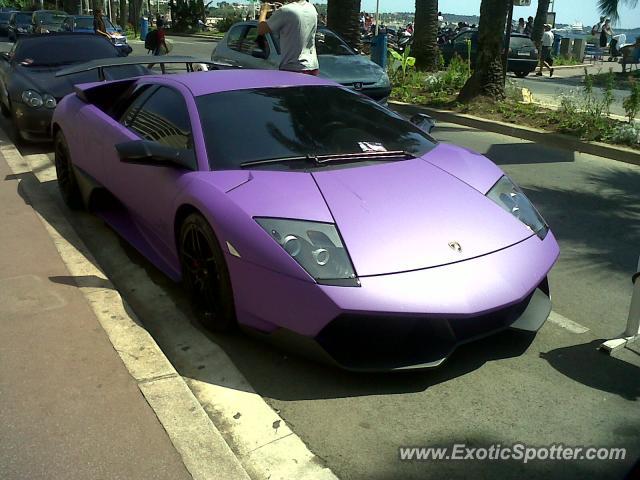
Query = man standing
x=528 y=28
x=295 y=23
x=546 y=60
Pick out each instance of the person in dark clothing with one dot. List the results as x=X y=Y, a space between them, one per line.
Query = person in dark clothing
x=528 y=28
x=99 y=27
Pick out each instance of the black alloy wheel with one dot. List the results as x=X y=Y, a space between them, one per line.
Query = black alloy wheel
x=205 y=274
x=67 y=182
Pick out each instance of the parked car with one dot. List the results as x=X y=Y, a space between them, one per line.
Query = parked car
x=242 y=47
x=522 y=59
x=29 y=88
x=4 y=22
x=19 y=24
x=47 y=21
x=84 y=24
x=306 y=213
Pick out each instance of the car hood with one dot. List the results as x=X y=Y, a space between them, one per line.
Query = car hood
x=44 y=80
x=403 y=216
x=347 y=69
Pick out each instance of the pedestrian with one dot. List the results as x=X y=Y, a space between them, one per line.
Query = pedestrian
x=521 y=27
x=528 y=28
x=410 y=28
x=546 y=60
x=99 y=27
x=295 y=23
x=597 y=28
x=606 y=33
x=156 y=43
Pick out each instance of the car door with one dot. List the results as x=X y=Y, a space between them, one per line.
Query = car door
x=158 y=113
x=460 y=45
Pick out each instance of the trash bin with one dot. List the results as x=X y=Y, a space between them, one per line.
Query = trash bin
x=144 y=28
x=379 y=50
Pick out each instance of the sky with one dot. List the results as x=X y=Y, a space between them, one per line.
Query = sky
x=568 y=11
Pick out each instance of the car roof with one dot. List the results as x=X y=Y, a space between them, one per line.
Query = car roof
x=204 y=83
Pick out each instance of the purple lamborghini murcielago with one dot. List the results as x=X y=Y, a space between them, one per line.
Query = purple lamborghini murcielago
x=307 y=213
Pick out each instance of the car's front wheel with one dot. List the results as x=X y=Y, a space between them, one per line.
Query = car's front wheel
x=205 y=274
x=67 y=182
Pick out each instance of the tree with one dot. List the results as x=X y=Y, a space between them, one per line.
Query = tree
x=487 y=79
x=343 y=16
x=609 y=8
x=122 y=17
x=425 y=42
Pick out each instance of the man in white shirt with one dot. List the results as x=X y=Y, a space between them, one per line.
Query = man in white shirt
x=295 y=23
x=546 y=60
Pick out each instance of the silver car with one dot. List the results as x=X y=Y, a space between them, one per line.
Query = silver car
x=241 y=47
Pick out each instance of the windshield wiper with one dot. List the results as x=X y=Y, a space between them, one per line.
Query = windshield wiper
x=333 y=158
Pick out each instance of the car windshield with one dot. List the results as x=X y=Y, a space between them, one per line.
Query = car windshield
x=54 y=50
x=328 y=43
x=51 y=17
x=258 y=124
x=23 y=18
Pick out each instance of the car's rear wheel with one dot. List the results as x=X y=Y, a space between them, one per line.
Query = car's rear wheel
x=205 y=274
x=521 y=74
x=67 y=182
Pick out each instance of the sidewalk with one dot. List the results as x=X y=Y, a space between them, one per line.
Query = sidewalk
x=70 y=409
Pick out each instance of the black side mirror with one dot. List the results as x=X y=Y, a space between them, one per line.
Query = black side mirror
x=145 y=152
x=259 y=53
x=423 y=122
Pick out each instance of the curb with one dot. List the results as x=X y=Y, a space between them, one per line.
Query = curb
x=558 y=140
x=202 y=448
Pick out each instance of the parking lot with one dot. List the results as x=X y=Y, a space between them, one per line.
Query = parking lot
x=556 y=388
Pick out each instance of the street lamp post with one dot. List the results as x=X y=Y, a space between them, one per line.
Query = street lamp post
x=377 y=16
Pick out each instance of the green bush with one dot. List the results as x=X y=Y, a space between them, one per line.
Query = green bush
x=226 y=23
x=631 y=104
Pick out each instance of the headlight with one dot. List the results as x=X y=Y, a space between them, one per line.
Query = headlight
x=509 y=196
x=49 y=101
x=316 y=246
x=32 y=98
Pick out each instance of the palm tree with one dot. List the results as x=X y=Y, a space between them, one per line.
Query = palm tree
x=343 y=16
x=609 y=8
x=425 y=46
x=487 y=79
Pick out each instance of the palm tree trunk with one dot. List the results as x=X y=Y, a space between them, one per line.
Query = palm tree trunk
x=122 y=18
x=541 y=19
x=343 y=16
x=425 y=40
x=487 y=79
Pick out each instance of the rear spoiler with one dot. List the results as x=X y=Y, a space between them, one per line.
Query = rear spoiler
x=102 y=63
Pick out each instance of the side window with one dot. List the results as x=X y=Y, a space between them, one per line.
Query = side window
x=125 y=110
x=235 y=36
x=252 y=41
x=164 y=118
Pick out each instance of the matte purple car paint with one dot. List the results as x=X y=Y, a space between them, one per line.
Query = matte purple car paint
x=396 y=220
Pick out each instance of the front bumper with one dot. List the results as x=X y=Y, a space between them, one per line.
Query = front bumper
x=399 y=321
x=34 y=123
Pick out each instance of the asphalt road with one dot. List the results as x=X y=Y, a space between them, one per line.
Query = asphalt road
x=554 y=388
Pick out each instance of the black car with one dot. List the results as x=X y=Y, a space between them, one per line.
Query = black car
x=522 y=59
x=4 y=22
x=19 y=24
x=47 y=21
x=29 y=89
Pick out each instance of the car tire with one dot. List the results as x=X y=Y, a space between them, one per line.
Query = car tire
x=6 y=111
x=205 y=274
x=14 y=131
x=521 y=74
x=67 y=181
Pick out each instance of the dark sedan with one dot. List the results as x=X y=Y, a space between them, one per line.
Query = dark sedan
x=4 y=22
x=29 y=89
x=523 y=54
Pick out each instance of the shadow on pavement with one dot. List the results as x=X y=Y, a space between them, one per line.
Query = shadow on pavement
x=605 y=219
x=527 y=153
x=605 y=372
